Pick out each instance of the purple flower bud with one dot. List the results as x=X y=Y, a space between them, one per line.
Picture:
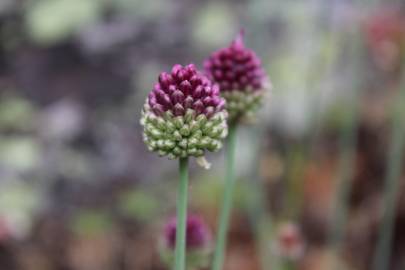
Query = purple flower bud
x=158 y=109
x=198 y=106
x=175 y=69
x=198 y=91
x=177 y=97
x=188 y=102
x=236 y=67
x=207 y=90
x=178 y=109
x=195 y=80
x=185 y=87
x=163 y=80
x=221 y=105
x=198 y=235
x=209 y=111
x=215 y=101
x=289 y=242
x=207 y=101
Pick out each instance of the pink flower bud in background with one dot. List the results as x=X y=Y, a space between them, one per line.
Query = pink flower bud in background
x=198 y=242
x=289 y=244
x=242 y=80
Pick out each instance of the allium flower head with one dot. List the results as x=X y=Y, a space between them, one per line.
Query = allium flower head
x=184 y=115
x=385 y=35
x=198 y=242
x=289 y=242
x=241 y=77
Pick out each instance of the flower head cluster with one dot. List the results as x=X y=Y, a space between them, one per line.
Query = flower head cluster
x=198 y=242
x=184 y=115
x=240 y=75
x=289 y=243
x=385 y=35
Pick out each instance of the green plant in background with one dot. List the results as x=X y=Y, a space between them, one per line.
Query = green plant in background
x=184 y=116
x=139 y=205
x=50 y=21
x=243 y=83
x=91 y=222
x=392 y=182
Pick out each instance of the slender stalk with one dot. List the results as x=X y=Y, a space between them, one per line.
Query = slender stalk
x=180 y=253
x=227 y=200
x=344 y=177
x=392 y=185
x=348 y=143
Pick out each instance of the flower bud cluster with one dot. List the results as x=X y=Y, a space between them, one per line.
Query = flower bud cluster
x=184 y=115
x=241 y=77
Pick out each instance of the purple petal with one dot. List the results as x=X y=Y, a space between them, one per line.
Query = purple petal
x=158 y=109
x=207 y=101
x=188 y=102
x=207 y=90
x=163 y=80
x=177 y=97
x=171 y=89
x=181 y=75
x=209 y=111
x=175 y=69
x=198 y=106
x=198 y=92
x=195 y=80
x=185 y=87
x=218 y=74
x=178 y=110
x=215 y=101
x=163 y=98
x=215 y=90
x=221 y=105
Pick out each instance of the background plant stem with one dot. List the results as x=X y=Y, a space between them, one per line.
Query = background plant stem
x=392 y=184
x=180 y=260
x=227 y=200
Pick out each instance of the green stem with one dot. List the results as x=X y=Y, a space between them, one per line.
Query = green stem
x=346 y=167
x=180 y=260
x=227 y=200
x=392 y=185
x=288 y=264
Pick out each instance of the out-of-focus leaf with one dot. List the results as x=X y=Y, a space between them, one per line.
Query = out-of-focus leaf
x=91 y=222
x=144 y=9
x=18 y=153
x=16 y=113
x=207 y=192
x=140 y=205
x=50 y=21
x=214 y=26
x=18 y=202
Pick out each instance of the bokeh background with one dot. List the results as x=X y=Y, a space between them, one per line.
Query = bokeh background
x=79 y=190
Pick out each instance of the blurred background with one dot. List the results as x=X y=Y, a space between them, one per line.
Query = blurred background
x=80 y=191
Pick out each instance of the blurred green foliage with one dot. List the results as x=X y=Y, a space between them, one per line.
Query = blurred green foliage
x=49 y=21
x=91 y=222
x=140 y=205
x=16 y=113
x=19 y=152
x=214 y=26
